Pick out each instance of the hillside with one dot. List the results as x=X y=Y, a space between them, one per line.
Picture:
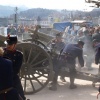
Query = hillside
x=6 y=11
x=35 y=12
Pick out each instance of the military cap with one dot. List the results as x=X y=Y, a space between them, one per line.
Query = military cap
x=86 y=32
x=80 y=42
x=11 y=39
x=59 y=34
x=95 y=40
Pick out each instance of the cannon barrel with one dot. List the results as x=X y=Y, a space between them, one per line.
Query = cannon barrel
x=44 y=34
x=45 y=37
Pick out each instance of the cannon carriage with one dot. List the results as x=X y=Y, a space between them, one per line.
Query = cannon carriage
x=37 y=67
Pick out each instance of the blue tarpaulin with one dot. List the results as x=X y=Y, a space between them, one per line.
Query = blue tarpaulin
x=62 y=25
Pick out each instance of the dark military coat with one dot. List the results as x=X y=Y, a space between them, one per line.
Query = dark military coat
x=6 y=80
x=16 y=57
x=6 y=73
x=96 y=36
x=97 y=54
x=74 y=51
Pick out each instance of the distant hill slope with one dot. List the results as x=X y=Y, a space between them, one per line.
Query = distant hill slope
x=6 y=11
x=35 y=12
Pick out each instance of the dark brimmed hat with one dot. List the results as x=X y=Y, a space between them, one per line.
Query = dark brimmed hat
x=80 y=42
x=11 y=39
x=95 y=40
x=59 y=34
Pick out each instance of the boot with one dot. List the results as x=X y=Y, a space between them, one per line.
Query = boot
x=53 y=87
x=72 y=85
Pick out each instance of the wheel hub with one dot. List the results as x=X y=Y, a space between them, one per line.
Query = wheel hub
x=26 y=68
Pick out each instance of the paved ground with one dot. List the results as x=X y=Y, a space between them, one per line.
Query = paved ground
x=84 y=91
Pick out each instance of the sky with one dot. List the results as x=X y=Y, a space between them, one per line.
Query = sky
x=49 y=4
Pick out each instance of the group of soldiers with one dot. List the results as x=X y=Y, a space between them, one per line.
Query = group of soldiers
x=65 y=58
x=85 y=46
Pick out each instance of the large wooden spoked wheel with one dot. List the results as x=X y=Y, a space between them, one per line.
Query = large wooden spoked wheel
x=37 y=42
x=36 y=69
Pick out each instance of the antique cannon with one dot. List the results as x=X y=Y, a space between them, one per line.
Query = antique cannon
x=44 y=38
x=37 y=67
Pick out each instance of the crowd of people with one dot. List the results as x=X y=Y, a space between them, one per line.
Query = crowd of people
x=19 y=29
x=87 y=35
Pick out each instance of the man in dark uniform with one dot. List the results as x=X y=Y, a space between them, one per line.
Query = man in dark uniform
x=96 y=44
x=96 y=35
x=69 y=54
x=7 y=92
x=17 y=58
x=56 y=45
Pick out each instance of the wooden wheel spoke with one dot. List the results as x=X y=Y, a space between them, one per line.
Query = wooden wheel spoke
x=37 y=80
x=41 y=74
x=35 y=57
x=25 y=83
x=30 y=53
x=39 y=62
x=31 y=83
x=24 y=57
